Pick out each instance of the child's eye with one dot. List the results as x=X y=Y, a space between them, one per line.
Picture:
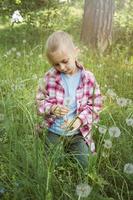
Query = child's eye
x=65 y=61
x=56 y=65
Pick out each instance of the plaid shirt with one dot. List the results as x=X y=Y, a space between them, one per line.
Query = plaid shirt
x=88 y=97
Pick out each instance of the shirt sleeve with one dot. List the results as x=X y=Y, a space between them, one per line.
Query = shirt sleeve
x=43 y=101
x=90 y=112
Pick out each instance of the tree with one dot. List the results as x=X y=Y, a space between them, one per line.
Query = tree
x=97 y=23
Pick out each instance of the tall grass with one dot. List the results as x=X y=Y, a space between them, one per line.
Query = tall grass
x=27 y=171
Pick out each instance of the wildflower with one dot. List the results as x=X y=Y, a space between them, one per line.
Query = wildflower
x=105 y=155
x=18 y=54
x=129 y=121
x=107 y=144
x=40 y=56
x=83 y=190
x=122 y=101
x=13 y=49
x=34 y=76
x=102 y=129
x=8 y=53
x=24 y=41
x=111 y=93
x=16 y=17
x=128 y=168
x=114 y=131
x=116 y=76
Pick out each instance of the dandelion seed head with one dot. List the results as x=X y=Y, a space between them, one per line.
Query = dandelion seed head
x=18 y=54
x=129 y=121
x=107 y=144
x=83 y=190
x=13 y=49
x=102 y=129
x=24 y=41
x=122 y=101
x=114 y=131
x=16 y=17
x=111 y=93
x=128 y=168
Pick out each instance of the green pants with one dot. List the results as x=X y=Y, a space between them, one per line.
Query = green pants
x=75 y=145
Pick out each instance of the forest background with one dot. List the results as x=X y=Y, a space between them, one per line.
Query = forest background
x=24 y=171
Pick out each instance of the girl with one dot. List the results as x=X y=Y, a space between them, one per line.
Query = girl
x=70 y=98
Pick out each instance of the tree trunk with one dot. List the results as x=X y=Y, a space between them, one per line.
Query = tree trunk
x=97 y=23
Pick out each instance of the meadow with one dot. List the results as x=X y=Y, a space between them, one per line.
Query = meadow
x=25 y=172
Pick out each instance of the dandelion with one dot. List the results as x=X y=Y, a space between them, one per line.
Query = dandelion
x=24 y=41
x=105 y=155
x=114 y=131
x=13 y=49
x=122 y=101
x=34 y=76
x=83 y=190
x=111 y=93
x=107 y=144
x=40 y=56
x=129 y=121
x=102 y=129
x=128 y=168
x=16 y=17
x=116 y=76
x=18 y=54
x=9 y=53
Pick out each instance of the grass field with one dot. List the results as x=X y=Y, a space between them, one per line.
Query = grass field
x=25 y=172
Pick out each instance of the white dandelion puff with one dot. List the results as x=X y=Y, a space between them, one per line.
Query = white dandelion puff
x=13 y=49
x=104 y=154
x=122 y=101
x=107 y=144
x=18 y=54
x=128 y=168
x=111 y=93
x=83 y=190
x=129 y=121
x=114 y=131
x=24 y=41
x=16 y=17
x=102 y=129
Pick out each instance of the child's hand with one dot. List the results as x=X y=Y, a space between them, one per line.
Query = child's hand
x=72 y=125
x=59 y=110
x=76 y=124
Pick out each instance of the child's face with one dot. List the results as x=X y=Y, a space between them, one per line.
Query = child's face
x=64 y=61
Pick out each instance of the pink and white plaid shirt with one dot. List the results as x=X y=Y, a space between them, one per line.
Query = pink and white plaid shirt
x=89 y=100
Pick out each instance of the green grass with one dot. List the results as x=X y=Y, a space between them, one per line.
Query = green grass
x=26 y=171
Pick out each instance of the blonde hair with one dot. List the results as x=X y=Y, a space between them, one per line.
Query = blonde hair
x=58 y=40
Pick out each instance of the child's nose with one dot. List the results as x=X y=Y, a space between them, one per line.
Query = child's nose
x=62 y=66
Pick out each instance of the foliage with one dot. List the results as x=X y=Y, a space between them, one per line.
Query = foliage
x=26 y=171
